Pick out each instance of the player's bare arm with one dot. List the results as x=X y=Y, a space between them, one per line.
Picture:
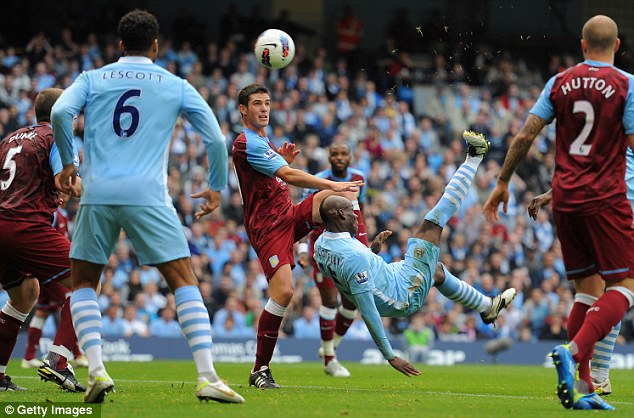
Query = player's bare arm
x=302 y=179
x=538 y=202
x=516 y=153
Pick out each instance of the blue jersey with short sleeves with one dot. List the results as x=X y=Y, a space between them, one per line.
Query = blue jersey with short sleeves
x=131 y=107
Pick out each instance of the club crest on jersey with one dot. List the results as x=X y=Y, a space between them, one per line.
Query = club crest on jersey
x=362 y=278
x=419 y=253
x=270 y=154
x=274 y=261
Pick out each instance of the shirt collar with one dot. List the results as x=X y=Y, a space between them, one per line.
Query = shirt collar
x=597 y=63
x=135 y=59
x=337 y=235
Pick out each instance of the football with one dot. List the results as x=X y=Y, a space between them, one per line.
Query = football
x=274 y=48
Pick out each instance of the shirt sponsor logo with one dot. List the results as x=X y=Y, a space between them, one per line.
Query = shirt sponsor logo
x=274 y=261
x=270 y=154
x=362 y=278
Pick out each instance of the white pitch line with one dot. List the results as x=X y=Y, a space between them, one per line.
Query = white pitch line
x=425 y=392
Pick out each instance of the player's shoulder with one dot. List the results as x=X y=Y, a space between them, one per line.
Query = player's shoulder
x=628 y=76
x=356 y=172
x=240 y=145
x=324 y=174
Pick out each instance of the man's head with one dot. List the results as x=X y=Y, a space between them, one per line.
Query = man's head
x=139 y=30
x=44 y=103
x=254 y=103
x=337 y=214
x=339 y=158
x=600 y=35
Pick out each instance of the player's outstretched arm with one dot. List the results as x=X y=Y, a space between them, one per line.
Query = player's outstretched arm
x=372 y=318
x=539 y=201
x=302 y=179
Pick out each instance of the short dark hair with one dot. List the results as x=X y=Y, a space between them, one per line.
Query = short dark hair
x=248 y=90
x=138 y=29
x=44 y=103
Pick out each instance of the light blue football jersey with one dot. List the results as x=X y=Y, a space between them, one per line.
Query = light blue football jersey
x=356 y=269
x=131 y=107
x=379 y=289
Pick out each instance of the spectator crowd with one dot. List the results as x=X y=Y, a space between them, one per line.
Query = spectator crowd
x=408 y=154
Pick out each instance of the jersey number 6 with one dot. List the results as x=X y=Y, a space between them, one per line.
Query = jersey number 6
x=120 y=109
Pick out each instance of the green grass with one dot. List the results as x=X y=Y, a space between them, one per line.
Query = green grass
x=166 y=389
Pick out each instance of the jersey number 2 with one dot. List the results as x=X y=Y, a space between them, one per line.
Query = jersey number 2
x=120 y=109
x=9 y=164
x=578 y=146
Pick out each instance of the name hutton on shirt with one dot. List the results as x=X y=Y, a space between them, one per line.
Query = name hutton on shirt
x=598 y=84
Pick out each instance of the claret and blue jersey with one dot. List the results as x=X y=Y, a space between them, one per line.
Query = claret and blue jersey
x=593 y=103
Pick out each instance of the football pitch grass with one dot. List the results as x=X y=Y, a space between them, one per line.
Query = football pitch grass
x=166 y=389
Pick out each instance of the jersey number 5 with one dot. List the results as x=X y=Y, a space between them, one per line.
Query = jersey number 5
x=578 y=146
x=9 y=164
x=120 y=109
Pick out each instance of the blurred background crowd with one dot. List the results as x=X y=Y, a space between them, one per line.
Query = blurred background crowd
x=407 y=148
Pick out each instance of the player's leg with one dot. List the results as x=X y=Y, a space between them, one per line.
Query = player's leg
x=600 y=362
x=280 y=291
x=456 y=190
x=34 y=334
x=97 y=230
x=12 y=315
x=459 y=291
x=56 y=368
x=346 y=314
x=43 y=254
x=158 y=239
x=587 y=292
x=597 y=236
x=327 y=320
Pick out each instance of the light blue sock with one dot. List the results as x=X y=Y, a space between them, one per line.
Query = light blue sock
x=455 y=192
x=459 y=291
x=603 y=349
x=194 y=320
x=86 y=316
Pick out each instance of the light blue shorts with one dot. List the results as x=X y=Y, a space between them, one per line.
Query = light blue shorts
x=416 y=272
x=155 y=232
